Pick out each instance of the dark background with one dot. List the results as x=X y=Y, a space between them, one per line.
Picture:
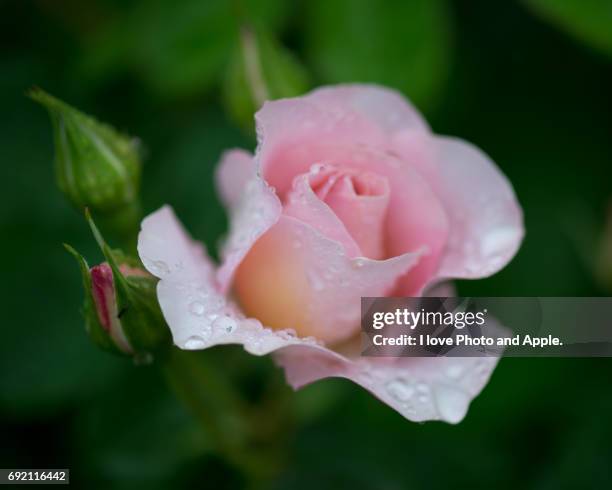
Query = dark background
x=529 y=82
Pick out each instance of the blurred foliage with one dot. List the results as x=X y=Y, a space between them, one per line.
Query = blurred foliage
x=405 y=45
x=490 y=72
x=589 y=21
x=176 y=48
x=260 y=69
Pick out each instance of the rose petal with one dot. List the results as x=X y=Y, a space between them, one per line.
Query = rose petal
x=234 y=170
x=187 y=292
x=198 y=315
x=415 y=218
x=420 y=389
x=251 y=216
x=304 y=205
x=443 y=289
x=486 y=222
x=295 y=277
x=293 y=133
x=388 y=108
x=362 y=211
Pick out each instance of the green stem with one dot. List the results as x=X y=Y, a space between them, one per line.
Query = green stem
x=210 y=396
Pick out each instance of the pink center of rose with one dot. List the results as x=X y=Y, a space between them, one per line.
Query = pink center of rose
x=360 y=201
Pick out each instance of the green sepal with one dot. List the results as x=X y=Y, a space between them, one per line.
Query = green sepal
x=92 y=323
x=141 y=318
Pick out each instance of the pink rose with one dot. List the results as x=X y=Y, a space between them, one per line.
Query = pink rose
x=349 y=194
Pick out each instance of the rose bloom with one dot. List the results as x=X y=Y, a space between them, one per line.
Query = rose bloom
x=349 y=194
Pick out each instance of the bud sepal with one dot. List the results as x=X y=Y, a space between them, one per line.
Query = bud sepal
x=121 y=309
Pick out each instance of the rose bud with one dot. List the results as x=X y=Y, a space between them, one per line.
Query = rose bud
x=121 y=312
x=96 y=167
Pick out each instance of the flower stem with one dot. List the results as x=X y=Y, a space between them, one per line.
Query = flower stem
x=228 y=420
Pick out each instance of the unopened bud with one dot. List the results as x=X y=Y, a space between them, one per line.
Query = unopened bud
x=105 y=302
x=96 y=167
x=121 y=309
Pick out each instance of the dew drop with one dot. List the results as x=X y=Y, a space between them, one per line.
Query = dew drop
x=160 y=267
x=197 y=308
x=358 y=263
x=400 y=390
x=225 y=324
x=316 y=168
x=194 y=342
x=452 y=403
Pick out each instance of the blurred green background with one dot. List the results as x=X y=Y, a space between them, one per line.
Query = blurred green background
x=530 y=82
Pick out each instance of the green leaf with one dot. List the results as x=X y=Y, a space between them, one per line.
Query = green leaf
x=589 y=21
x=400 y=44
x=260 y=69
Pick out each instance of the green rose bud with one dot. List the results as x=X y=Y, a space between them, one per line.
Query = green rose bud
x=259 y=70
x=95 y=166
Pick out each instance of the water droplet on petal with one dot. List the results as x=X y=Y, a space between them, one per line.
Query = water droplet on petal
x=252 y=324
x=452 y=403
x=358 y=263
x=160 y=267
x=225 y=324
x=197 y=308
x=194 y=342
x=316 y=168
x=400 y=390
